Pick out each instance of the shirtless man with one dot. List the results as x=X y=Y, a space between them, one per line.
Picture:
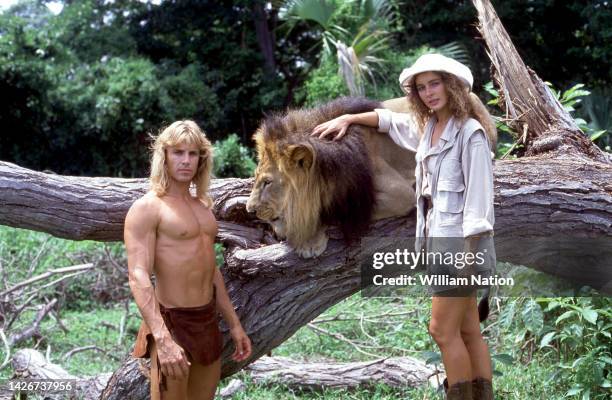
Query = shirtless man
x=171 y=233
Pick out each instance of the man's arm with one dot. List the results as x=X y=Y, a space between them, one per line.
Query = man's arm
x=224 y=304
x=140 y=235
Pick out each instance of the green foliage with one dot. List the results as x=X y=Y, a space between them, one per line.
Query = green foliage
x=389 y=88
x=232 y=159
x=318 y=11
x=23 y=251
x=89 y=84
x=324 y=84
x=455 y=50
x=570 y=97
x=576 y=330
x=597 y=109
x=564 y=42
x=581 y=335
x=108 y=106
x=219 y=249
x=599 y=114
x=353 y=31
x=186 y=94
x=92 y=29
x=382 y=327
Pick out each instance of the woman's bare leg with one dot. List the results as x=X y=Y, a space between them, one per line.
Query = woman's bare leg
x=475 y=343
x=447 y=315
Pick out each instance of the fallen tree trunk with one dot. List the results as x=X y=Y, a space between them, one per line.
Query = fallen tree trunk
x=558 y=190
x=394 y=372
x=32 y=364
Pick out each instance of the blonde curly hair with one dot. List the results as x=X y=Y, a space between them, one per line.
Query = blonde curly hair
x=462 y=102
x=181 y=132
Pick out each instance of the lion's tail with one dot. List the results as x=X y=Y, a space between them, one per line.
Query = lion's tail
x=483 y=305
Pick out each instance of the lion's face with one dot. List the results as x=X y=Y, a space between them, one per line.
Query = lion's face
x=268 y=196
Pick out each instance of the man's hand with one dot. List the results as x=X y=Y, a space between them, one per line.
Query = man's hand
x=242 y=343
x=339 y=124
x=172 y=359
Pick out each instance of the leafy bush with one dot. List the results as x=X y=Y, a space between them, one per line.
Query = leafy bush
x=232 y=159
x=185 y=94
x=576 y=330
x=396 y=61
x=324 y=84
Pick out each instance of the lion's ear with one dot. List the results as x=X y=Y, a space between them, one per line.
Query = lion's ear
x=301 y=156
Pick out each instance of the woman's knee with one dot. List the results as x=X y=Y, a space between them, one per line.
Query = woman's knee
x=442 y=333
x=471 y=335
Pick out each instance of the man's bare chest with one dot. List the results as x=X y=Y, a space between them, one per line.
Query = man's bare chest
x=182 y=221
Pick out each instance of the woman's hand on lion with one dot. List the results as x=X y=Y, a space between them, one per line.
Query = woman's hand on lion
x=339 y=124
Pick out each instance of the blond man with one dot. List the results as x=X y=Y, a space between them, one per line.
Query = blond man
x=170 y=233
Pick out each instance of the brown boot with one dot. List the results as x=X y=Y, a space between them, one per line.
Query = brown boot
x=460 y=391
x=482 y=389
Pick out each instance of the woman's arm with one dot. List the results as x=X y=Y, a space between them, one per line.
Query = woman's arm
x=398 y=125
x=478 y=215
x=341 y=124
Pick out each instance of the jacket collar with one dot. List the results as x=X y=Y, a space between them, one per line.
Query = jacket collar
x=450 y=134
x=448 y=137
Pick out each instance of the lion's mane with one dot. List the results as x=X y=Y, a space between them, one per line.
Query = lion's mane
x=331 y=185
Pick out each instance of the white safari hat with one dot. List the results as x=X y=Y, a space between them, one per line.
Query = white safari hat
x=437 y=63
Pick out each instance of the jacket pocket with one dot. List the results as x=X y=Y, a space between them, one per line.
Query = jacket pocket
x=450 y=170
x=449 y=202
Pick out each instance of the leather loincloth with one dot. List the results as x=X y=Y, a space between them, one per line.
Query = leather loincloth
x=195 y=329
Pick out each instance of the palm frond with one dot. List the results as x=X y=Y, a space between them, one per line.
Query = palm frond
x=319 y=11
x=370 y=10
x=455 y=50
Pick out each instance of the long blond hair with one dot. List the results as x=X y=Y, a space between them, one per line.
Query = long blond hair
x=182 y=132
x=463 y=104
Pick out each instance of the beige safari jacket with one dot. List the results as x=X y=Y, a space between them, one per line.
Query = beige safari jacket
x=462 y=180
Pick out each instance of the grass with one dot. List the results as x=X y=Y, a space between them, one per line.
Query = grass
x=382 y=327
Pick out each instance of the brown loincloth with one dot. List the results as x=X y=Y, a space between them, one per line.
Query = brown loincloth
x=195 y=329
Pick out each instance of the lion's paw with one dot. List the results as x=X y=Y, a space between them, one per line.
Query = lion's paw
x=314 y=247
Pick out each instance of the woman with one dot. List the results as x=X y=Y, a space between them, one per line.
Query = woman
x=454 y=186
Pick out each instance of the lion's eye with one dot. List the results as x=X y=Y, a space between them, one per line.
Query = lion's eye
x=266 y=182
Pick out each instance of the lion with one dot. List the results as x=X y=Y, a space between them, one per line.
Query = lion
x=304 y=184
